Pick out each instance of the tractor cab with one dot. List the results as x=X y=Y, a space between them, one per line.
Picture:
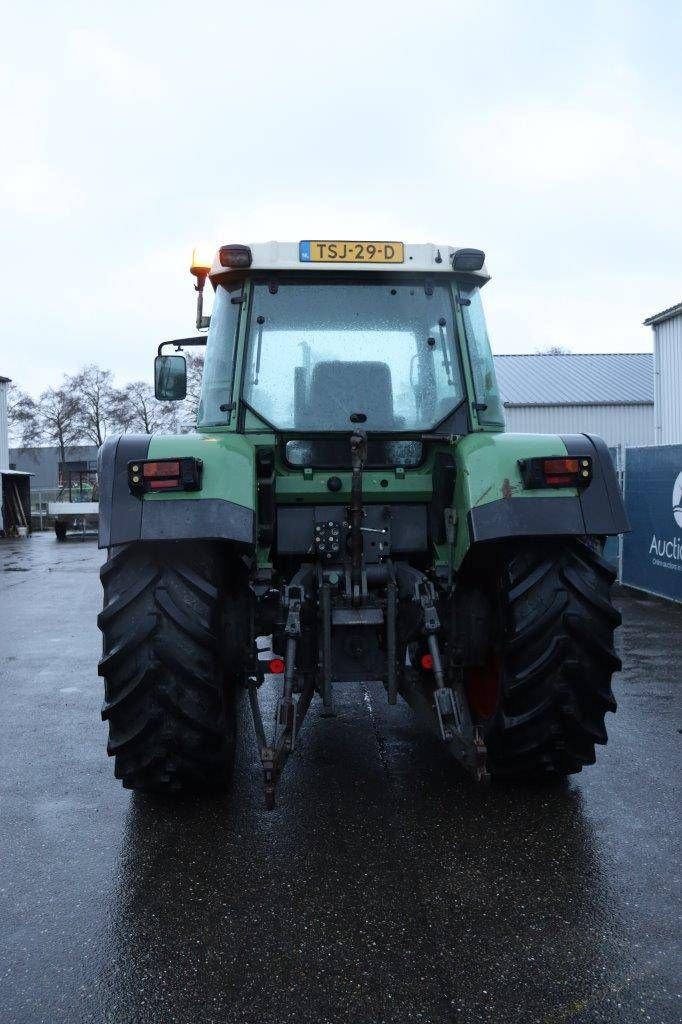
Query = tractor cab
x=321 y=337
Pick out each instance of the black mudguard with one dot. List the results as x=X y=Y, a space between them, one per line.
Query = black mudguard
x=598 y=510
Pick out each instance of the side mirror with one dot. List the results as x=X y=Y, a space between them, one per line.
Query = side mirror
x=170 y=378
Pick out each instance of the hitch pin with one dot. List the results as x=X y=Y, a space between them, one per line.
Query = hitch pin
x=437 y=663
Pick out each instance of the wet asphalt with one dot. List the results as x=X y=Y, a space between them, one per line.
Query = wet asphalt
x=385 y=887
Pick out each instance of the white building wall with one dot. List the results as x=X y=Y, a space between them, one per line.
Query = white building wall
x=668 y=380
x=627 y=425
x=4 y=432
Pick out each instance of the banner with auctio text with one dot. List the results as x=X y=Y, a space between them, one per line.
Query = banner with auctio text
x=652 y=551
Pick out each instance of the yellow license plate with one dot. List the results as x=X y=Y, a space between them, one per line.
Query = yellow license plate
x=351 y=252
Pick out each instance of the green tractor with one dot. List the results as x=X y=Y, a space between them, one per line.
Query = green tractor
x=351 y=509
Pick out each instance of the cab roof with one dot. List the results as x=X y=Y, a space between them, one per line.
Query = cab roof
x=419 y=258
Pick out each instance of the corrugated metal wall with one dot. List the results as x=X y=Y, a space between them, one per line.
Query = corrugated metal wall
x=617 y=424
x=4 y=438
x=668 y=380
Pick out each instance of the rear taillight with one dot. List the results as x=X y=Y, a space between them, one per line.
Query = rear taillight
x=165 y=475
x=157 y=470
x=556 y=472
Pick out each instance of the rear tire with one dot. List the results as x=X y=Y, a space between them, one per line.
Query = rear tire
x=554 y=659
x=170 y=684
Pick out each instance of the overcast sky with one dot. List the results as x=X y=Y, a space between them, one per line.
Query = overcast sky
x=546 y=133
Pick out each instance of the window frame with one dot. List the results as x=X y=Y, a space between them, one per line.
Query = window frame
x=240 y=285
x=294 y=276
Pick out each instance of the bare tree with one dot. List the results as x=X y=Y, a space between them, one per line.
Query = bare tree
x=22 y=414
x=195 y=369
x=173 y=422
x=134 y=407
x=59 y=417
x=87 y=406
x=555 y=350
x=94 y=389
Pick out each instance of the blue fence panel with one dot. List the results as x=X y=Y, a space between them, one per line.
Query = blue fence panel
x=652 y=552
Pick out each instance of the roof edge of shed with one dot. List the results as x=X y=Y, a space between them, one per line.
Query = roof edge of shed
x=575 y=405
x=665 y=314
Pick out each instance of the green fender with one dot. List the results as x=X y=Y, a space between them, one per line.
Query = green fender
x=224 y=508
x=492 y=503
x=229 y=467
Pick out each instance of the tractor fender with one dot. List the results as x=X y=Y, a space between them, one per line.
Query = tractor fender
x=223 y=509
x=491 y=493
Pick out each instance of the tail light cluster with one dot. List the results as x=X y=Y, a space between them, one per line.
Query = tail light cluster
x=165 y=475
x=556 y=472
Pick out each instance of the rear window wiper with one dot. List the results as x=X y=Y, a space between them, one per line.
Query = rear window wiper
x=260 y=320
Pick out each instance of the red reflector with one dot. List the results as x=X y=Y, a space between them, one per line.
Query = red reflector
x=151 y=469
x=559 y=466
x=163 y=485
x=560 y=479
x=276 y=666
x=426 y=662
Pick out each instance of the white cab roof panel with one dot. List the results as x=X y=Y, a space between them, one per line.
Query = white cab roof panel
x=287 y=256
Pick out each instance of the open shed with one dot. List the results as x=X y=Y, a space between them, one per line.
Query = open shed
x=15 y=485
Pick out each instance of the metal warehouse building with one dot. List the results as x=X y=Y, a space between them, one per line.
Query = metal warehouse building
x=44 y=463
x=4 y=426
x=611 y=395
x=667 y=327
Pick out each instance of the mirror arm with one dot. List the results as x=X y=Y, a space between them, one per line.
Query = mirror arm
x=181 y=343
x=201 y=273
x=202 y=321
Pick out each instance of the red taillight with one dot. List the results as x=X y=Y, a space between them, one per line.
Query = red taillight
x=164 y=485
x=426 y=662
x=164 y=475
x=561 y=472
x=556 y=480
x=556 y=472
x=164 y=469
x=561 y=466
x=276 y=666
x=161 y=476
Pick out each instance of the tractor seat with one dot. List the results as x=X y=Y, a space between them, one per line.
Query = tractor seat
x=339 y=388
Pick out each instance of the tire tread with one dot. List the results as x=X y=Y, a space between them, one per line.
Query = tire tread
x=558 y=659
x=169 y=689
